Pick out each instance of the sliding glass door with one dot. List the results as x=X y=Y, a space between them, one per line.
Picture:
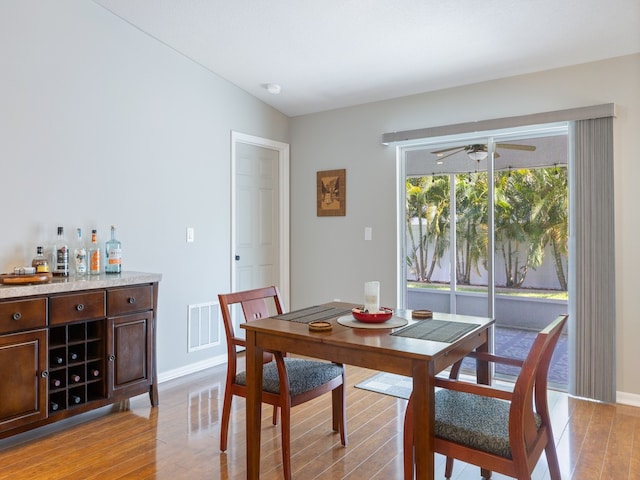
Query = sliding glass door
x=486 y=232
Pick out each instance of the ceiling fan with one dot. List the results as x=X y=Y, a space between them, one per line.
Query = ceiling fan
x=478 y=151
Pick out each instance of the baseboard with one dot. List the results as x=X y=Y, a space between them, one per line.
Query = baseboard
x=628 y=399
x=191 y=368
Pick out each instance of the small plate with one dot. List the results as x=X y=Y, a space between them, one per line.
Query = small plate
x=382 y=316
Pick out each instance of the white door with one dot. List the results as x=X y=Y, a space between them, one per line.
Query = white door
x=260 y=220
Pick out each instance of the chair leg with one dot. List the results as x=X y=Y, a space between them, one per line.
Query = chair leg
x=285 y=422
x=408 y=441
x=448 y=469
x=226 y=413
x=486 y=474
x=276 y=410
x=552 y=461
x=339 y=412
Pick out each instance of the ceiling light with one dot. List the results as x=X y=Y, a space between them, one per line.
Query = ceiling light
x=273 y=88
x=477 y=155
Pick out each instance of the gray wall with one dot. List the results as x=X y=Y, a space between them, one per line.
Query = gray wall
x=330 y=258
x=101 y=124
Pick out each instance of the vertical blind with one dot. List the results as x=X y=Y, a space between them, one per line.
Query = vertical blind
x=592 y=289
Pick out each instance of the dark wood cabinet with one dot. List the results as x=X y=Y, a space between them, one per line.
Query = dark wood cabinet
x=23 y=362
x=66 y=353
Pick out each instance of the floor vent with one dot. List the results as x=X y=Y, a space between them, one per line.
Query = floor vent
x=204 y=327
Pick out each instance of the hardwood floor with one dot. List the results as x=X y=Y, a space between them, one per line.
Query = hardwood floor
x=180 y=439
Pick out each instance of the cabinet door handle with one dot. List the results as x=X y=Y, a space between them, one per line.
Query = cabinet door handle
x=44 y=374
x=17 y=316
x=80 y=307
x=112 y=358
x=131 y=300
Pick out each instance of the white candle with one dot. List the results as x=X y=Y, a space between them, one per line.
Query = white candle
x=372 y=297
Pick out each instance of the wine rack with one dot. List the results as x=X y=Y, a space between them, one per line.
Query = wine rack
x=76 y=365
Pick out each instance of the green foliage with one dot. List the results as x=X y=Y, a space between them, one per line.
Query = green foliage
x=531 y=215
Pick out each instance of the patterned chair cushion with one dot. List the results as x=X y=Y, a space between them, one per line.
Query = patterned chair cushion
x=476 y=421
x=304 y=375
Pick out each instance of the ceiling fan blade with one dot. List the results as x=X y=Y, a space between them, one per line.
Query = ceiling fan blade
x=445 y=150
x=442 y=156
x=514 y=146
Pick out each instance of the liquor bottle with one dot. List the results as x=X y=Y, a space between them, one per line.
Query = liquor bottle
x=40 y=262
x=113 y=250
x=94 y=254
x=61 y=255
x=80 y=255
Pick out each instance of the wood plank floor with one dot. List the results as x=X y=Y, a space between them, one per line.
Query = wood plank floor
x=180 y=439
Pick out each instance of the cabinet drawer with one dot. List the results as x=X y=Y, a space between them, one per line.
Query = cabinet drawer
x=23 y=314
x=76 y=307
x=127 y=300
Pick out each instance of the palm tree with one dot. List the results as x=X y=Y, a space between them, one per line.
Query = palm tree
x=471 y=224
x=428 y=202
x=550 y=215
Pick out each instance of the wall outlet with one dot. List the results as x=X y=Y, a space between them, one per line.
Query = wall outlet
x=191 y=235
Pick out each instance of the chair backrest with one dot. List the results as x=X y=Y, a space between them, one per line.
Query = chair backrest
x=256 y=303
x=531 y=386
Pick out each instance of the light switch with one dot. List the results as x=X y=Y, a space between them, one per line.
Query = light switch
x=367 y=233
x=191 y=235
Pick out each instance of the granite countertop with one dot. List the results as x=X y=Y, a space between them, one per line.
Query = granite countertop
x=72 y=283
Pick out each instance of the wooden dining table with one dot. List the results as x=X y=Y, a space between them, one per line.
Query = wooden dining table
x=384 y=349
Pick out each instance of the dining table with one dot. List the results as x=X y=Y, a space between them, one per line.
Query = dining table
x=419 y=349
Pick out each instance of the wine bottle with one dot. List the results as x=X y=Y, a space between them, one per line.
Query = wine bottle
x=55 y=382
x=74 y=399
x=74 y=378
x=53 y=406
x=73 y=356
x=113 y=250
x=94 y=254
x=95 y=372
x=80 y=255
x=61 y=255
x=40 y=262
x=57 y=360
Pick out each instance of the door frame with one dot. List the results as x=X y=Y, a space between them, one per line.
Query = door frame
x=283 y=206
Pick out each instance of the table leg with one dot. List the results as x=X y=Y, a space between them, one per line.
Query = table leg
x=254 y=405
x=423 y=417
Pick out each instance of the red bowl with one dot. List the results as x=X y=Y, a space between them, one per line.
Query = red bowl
x=379 y=317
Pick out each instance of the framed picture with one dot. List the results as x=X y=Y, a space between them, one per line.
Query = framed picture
x=332 y=193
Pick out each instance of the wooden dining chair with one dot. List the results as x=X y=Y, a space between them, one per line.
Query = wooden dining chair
x=495 y=429
x=286 y=382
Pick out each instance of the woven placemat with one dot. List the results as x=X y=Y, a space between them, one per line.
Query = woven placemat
x=312 y=314
x=436 y=330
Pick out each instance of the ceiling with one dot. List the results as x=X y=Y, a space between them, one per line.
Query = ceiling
x=329 y=54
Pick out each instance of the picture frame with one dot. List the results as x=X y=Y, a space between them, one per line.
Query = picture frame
x=331 y=193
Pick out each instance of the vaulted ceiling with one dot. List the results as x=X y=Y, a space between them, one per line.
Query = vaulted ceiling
x=334 y=53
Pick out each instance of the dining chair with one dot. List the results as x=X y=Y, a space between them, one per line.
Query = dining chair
x=286 y=381
x=496 y=429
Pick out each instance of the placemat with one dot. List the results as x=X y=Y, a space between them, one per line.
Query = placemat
x=436 y=330
x=393 y=322
x=313 y=314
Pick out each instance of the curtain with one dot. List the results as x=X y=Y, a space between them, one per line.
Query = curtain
x=592 y=278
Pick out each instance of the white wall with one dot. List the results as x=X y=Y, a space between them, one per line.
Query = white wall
x=330 y=258
x=101 y=124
